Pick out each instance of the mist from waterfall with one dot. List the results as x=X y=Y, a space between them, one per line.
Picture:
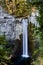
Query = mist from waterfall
x=25 y=39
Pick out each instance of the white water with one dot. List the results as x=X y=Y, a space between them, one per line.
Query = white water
x=25 y=39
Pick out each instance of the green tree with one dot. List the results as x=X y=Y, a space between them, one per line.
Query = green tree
x=4 y=51
x=40 y=20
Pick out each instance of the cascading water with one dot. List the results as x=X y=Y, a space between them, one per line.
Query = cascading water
x=25 y=39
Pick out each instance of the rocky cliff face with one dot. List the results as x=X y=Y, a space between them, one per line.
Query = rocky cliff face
x=9 y=26
x=12 y=28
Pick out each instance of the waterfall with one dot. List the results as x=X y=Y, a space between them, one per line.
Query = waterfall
x=25 y=39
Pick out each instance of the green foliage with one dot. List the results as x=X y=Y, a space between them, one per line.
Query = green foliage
x=39 y=51
x=20 y=9
x=4 y=52
x=2 y=40
x=40 y=18
x=36 y=62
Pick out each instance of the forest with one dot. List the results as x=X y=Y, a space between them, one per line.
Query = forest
x=23 y=9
